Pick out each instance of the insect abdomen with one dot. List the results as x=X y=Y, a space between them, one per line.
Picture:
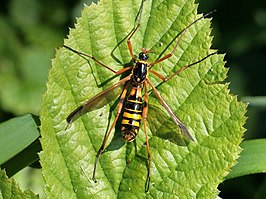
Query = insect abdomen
x=132 y=114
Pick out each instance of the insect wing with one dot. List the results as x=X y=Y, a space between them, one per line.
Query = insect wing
x=171 y=113
x=97 y=101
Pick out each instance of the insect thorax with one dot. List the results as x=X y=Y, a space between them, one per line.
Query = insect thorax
x=140 y=71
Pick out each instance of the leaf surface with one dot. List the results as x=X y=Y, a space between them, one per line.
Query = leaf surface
x=179 y=169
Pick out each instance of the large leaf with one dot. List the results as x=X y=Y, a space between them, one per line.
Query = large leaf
x=197 y=95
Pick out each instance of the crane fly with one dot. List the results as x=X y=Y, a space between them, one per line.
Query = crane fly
x=132 y=102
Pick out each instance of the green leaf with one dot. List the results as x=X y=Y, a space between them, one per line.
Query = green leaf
x=252 y=159
x=18 y=143
x=179 y=168
x=9 y=189
x=27 y=157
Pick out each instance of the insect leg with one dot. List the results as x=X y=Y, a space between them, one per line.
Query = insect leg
x=124 y=70
x=129 y=45
x=182 y=33
x=119 y=108
x=89 y=56
x=181 y=69
x=144 y=115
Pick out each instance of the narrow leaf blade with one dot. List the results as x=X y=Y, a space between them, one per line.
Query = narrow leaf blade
x=17 y=134
x=252 y=159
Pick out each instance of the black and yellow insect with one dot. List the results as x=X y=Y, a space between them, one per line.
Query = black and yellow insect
x=132 y=102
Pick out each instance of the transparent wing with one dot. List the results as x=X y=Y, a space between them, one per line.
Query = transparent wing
x=96 y=102
x=161 y=125
x=170 y=112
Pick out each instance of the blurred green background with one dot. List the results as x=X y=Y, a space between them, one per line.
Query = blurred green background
x=31 y=30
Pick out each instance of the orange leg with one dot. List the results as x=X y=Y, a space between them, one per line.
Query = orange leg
x=119 y=108
x=123 y=70
x=144 y=115
x=129 y=45
x=181 y=69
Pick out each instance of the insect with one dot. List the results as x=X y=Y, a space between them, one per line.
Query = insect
x=133 y=105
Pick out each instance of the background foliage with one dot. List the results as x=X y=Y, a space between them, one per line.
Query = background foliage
x=28 y=35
